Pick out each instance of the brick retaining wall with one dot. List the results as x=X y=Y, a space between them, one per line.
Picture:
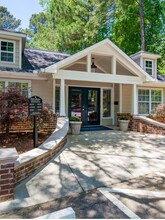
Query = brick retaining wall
x=14 y=168
x=26 y=124
x=24 y=170
x=147 y=125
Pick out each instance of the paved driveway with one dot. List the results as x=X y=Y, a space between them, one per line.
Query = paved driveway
x=95 y=159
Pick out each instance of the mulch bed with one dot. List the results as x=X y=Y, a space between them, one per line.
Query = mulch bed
x=23 y=142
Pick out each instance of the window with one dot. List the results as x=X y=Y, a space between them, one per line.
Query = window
x=149 y=67
x=2 y=86
x=23 y=86
x=106 y=103
x=7 y=51
x=57 y=100
x=148 y=99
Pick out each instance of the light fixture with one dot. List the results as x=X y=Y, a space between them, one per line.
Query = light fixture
x=93 y=66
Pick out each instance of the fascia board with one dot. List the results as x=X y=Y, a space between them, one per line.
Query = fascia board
x=20 y=75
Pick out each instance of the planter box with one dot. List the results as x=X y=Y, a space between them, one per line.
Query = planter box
x=75 y=126
x=123 y=125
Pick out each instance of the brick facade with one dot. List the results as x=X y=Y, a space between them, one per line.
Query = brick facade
x=26 y=124
x=7 y=160
x=14 y=171
x=147 y=125
x=24 y=170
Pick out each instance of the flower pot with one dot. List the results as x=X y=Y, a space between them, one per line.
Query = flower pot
x=123 y=125
x=75 y=126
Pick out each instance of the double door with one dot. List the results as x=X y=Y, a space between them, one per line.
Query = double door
x=85 y=104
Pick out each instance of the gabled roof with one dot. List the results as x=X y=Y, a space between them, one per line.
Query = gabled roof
x=84 y=52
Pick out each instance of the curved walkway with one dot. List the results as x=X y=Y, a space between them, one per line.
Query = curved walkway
x=91 y=160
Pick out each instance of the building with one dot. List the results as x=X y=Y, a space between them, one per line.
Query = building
x=94 y=84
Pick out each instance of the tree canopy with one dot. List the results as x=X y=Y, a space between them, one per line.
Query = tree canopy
x=7 y=20
x=72 y=25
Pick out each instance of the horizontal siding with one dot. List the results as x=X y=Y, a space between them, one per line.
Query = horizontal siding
x=43 y=89
x=126 y=97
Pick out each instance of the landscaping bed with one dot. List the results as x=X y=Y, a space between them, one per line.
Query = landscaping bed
x=23 y=142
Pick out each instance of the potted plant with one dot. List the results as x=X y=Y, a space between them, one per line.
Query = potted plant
x=75 y=124
x=123 y=123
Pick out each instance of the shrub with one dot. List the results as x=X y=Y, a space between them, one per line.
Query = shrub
x=159 y=111
x=13 y=104
x=74 y=118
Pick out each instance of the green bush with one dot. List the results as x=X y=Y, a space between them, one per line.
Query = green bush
x=74 y=118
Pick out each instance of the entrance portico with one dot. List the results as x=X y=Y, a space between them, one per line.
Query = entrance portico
x=115 y=72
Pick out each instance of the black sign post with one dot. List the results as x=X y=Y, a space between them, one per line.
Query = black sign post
x=34 y=109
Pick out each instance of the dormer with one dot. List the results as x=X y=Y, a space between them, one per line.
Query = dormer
x=148 y=61
x=12 y=45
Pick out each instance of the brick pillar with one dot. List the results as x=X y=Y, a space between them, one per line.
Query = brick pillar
x=7 y=159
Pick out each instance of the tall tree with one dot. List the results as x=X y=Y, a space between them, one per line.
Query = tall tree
x=39 y=34
x=142 y=25
x=126 y=30
x=77 y=24
x=7 y=20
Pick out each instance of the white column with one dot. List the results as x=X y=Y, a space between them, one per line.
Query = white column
x=62 y=98
x=54 y=95
x=134 y=100
x=120 y=98
x=89 y=63
x=112 y=103
x=113 y=65
x=20 y=54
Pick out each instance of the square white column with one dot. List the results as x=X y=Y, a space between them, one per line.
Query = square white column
x=134 y=100
x=62 y=98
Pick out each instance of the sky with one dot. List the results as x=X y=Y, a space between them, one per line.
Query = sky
x=22 y=9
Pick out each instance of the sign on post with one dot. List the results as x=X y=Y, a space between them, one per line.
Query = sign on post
x=35 y=105
x=34 y=109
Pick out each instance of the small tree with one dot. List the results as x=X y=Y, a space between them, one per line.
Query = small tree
x=13 y=104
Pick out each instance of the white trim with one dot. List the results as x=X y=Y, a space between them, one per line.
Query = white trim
x=120 y=98
x=152 y=68
x=113 y=107
x=20 y=53
x=133 y=67
x=150 y=89
x=134 y=100
x=101 y=111
x=113 y=65
x=96 y=77
x=21 y=75
x=62 y=98
x=89 y=62
x=10 y=33
x=54 y=95
x=14 y=51
x=101 y=106
x=17 y=81
x=118 y=203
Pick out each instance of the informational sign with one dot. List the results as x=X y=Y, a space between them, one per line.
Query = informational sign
x=35 y=105
x=34 y=109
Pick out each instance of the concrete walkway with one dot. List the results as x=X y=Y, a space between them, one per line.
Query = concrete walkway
x=91 y=160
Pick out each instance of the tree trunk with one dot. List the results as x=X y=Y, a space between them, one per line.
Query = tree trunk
x=142 y=25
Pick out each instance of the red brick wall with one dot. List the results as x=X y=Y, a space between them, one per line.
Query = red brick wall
x=25 y=169
x=6 y=181
x=140 y=125
x=26 y=125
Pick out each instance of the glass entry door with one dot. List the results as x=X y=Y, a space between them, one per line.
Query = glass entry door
x=85 y=104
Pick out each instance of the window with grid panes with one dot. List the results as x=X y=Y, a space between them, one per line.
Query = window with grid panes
x=148 y=99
